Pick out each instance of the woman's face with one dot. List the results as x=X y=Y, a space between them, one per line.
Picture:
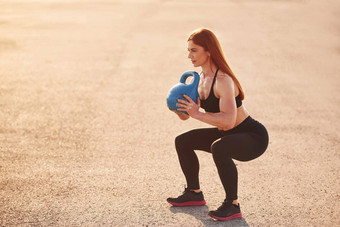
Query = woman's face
x=197 y=54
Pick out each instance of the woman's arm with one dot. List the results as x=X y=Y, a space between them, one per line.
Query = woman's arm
x=226 y=118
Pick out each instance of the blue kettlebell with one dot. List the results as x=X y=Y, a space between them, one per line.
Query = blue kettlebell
x=177 y=91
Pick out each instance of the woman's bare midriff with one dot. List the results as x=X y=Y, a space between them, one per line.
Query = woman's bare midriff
x=241 y=115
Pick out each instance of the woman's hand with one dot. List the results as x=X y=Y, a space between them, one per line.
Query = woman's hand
x=189 y=105
x=183 y=116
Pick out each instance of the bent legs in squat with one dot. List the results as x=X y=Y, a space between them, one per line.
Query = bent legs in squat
x=199 y=139
x=239 y=146
x=186 y=144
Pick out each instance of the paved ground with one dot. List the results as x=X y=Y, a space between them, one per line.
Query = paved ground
x=86 y=138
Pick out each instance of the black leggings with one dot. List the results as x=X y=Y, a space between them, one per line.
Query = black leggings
x=245 y=142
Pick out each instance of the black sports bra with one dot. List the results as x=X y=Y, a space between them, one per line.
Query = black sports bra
x=212 y=104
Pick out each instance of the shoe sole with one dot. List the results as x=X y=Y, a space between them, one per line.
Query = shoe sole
x=189 y=203
x=238 y=215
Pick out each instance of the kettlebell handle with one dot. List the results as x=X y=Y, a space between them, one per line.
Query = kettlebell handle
x=190 y=73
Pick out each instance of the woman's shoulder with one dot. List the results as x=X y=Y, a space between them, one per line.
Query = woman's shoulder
x=224 y=84
x=223 y=77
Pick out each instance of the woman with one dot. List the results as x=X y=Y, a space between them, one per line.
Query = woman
x=235 y=134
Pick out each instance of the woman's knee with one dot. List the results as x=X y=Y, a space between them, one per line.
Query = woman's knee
x=182 y=141
x=219 y=151
x=186 y=137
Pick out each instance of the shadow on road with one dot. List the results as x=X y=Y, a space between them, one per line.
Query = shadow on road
x=201 y=214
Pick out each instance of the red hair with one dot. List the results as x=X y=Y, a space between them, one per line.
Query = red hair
x=207 y=39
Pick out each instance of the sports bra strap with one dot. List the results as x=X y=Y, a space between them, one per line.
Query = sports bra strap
x=214 y=78
x=212 y=85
